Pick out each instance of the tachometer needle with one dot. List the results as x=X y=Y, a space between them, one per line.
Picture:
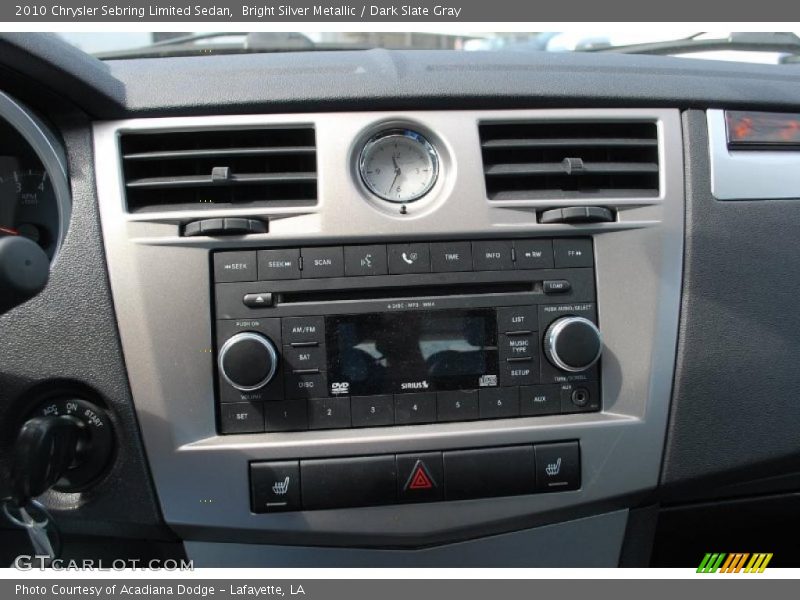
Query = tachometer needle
x=8 y=230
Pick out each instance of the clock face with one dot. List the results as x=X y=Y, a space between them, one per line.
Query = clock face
x=399 y=165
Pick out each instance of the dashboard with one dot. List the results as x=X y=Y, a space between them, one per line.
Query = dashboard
x=424 y=314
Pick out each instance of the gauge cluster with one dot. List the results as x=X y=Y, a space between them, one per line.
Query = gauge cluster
x=28 y=203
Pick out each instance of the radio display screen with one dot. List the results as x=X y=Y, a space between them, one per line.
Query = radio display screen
x=384 y=353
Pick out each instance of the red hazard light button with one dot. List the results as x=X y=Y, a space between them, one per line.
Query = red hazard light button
x=420 y=477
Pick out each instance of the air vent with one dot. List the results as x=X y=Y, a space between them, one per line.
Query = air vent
x=220 y=168
x=552 y=160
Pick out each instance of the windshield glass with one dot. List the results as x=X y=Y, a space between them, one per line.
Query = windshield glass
x=768 y=48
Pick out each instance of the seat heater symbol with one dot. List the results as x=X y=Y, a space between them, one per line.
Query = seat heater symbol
x=279 y=488
x=553 y=469
x=420 y=478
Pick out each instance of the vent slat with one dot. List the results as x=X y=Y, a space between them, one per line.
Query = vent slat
x=534 y=160
x=202 y=181
x=219 y=168
x=570 y=142
x=219 y=153
x=534 y=169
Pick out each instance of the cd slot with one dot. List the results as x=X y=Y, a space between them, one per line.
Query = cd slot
x=406 y=292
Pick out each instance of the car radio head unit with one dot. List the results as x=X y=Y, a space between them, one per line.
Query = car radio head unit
x=403 y=334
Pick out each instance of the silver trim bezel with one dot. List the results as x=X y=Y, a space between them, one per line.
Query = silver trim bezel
x=202 y=478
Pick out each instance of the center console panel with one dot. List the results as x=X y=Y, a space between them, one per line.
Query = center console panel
x=353 y=373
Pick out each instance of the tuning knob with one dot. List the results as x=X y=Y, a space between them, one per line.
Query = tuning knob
x=573 y=343
x=248 y=361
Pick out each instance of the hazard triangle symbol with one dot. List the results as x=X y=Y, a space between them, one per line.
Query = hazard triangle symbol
x=420 y=479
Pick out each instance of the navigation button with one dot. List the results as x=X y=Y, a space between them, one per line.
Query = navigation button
x=235 y=266
x=449 y=257
x=322 y=262
x=492 y=256
x=365 y=260
x=558 y=466
x=534 y=254
x=279 y=264
x=420 y=477
x=409 y=258
x=275 y=486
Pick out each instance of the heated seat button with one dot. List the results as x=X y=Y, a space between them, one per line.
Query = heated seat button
x=235 y=266
x=457 y=405
x=372 y=411
x=409 y=258
x=558 y=466
x=492 y=256
x=447 y=257
x=534 y=254
x=499 y=403
x=241 y=417
x=329 y=413
x=573 y=252
x=346 y=482
x=410 y=409
x=420 y=477
x=322 y=262
x=275 y=486
x=279 y=264
x=489 y=472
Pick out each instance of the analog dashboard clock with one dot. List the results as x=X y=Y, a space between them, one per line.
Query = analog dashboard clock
x=399 y=165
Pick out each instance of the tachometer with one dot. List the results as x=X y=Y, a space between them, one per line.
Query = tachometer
x=28 y=206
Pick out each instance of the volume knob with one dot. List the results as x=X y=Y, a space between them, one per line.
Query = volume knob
x=573 y=343
x=248 y=361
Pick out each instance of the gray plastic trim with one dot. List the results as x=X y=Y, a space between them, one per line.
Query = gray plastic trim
x=749 y=174
x=49 y=151
x=591 y=542
x=161 y=287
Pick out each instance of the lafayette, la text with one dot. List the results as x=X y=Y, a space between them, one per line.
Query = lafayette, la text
x=347 y=10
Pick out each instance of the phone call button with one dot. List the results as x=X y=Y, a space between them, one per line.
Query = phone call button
x=409 y=258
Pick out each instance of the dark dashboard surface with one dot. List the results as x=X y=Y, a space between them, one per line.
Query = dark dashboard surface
x=740 y=278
